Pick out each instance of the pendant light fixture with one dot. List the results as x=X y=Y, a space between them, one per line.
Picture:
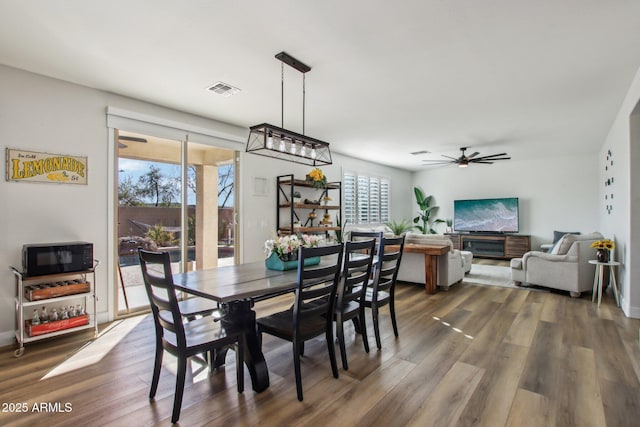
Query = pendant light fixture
x=277 y=142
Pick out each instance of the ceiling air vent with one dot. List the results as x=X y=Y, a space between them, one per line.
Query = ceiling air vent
x=415 y=153
x=223 y=89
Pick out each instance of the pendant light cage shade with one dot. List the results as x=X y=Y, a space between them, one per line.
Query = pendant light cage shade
x=267 y=140
x=279 y=143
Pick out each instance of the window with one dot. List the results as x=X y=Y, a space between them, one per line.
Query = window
x=366 y=199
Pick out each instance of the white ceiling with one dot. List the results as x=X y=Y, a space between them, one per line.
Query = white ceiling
x=388 y=78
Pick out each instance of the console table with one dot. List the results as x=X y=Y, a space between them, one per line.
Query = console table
x=431 y=253
x=489 y=245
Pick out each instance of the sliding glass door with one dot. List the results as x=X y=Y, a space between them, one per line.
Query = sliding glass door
x=173 y=196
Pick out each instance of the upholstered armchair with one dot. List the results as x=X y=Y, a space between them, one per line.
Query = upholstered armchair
x=451 y=267
x=566 y=267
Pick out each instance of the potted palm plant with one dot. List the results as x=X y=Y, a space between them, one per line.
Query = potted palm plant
x=399 y=228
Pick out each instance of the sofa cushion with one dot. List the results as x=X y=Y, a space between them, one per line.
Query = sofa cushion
x=557 y=235
x=516 y=263
x=564 y=244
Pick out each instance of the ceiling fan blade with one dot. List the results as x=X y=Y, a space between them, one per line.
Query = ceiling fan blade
x=472 y=155
x=436 y=162
x=449 y=157
x=492 y=155
x=484 y=162
x=132 y=139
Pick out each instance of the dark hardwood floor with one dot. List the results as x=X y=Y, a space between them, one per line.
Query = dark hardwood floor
x=472 y=356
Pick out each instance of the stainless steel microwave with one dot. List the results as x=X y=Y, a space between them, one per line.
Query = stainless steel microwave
x=52 y=258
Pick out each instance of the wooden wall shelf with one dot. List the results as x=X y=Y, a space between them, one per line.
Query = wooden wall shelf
x=289 y=211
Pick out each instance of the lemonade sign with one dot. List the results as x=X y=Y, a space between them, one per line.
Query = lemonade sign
x=44 y=167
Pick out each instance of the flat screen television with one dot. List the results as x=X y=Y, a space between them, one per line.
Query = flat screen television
x=498 y=215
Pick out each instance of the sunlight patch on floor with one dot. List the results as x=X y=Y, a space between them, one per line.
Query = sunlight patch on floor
x=448 y=325
x=95 y=350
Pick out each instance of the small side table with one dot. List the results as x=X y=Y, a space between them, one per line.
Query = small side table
x=598 y=279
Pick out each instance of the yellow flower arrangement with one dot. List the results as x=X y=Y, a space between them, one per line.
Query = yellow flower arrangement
x=604 y=244
x=317 y=178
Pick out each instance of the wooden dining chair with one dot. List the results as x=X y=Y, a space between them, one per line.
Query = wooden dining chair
x=177 y=337
x=312 y=311
x=355 y=236
x=381 y=288
x=356 y=271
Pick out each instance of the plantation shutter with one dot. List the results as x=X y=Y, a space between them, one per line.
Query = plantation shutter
x=363 y=199
x=374 y=200
x=384 y=200
x=349 y=192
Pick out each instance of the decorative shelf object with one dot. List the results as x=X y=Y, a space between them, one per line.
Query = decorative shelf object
x=309 y=215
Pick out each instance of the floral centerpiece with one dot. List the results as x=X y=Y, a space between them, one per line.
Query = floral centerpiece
x=282 y=251
x=317 y=178
x=602 y=247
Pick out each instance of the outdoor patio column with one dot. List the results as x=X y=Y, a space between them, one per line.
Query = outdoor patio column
x=206 y=216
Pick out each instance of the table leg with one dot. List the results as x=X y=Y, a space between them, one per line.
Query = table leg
x=240 y=314
x=600 y=283
x=612 y=274
x=430 y=274
x=595 y=285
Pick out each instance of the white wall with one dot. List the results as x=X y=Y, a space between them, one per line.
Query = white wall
x=623 y=223
x=555 y=193
x=43 y=114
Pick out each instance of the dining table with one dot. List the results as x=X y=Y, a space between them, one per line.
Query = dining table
x=236 y=288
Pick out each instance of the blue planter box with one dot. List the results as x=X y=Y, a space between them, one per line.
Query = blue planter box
x=275 y=263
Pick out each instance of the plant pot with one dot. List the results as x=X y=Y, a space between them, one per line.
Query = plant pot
x=602 y=255
x=275 y=263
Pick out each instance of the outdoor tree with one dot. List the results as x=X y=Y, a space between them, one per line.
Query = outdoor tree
x=129 y=193
x=155 y=186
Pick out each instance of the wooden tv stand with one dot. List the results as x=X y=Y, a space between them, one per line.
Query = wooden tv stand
x=489 y=245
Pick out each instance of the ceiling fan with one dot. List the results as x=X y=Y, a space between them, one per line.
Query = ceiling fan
x=464 y=160
x=129 y=138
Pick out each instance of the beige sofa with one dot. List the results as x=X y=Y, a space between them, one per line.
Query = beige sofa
x=451 y=266
x=565 y=268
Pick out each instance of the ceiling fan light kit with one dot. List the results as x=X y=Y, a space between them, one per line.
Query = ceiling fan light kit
x=463 y=161
x=279 y=143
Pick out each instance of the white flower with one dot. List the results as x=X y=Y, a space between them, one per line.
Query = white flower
x=290 y=243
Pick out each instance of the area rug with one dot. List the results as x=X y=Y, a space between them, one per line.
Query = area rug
x=494 y=275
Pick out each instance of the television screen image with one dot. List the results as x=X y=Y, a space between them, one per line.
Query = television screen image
x=486 y=215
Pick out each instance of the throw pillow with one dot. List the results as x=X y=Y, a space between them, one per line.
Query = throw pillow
x=564 y=244
x=556 y=247
x=557 y=235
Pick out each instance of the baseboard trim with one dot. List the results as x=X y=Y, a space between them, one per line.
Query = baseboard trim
x=628 y=310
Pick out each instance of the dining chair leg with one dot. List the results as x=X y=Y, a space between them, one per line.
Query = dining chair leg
x=343 y=349
x=376 y=325
x=157 y=366
x=180 y=379
x=392 y=308
x=332 y=350
x=240 y=364
x=356 y=325
x=296 y=366
x=363 y=331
